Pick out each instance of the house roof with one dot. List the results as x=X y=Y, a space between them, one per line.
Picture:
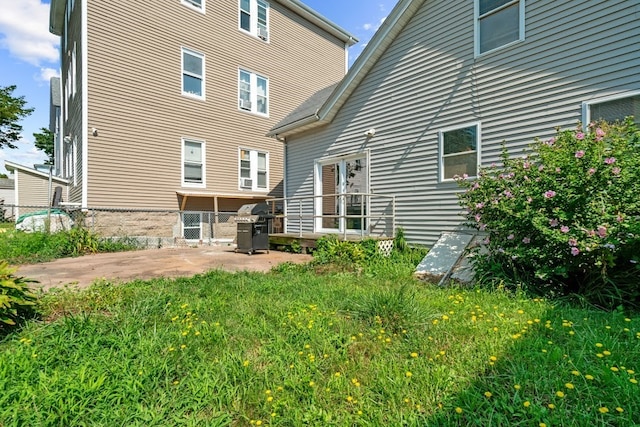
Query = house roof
x=308 y=109
x=12 y=167
x=324 y=113
x=56 y=19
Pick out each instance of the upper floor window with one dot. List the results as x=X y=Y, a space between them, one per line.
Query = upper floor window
x=254 y=17
x=253 y=92
x=254 y=170
x=193 y=163
x=498 y=23
x=195 y=4
x=613 y=109
x=459 y=148
x=192 y=73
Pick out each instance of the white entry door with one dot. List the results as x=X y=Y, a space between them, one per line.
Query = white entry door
x=341 y=186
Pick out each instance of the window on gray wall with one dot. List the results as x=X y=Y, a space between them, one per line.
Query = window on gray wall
x=613 y=110
x=459 y=149
x=499 y=22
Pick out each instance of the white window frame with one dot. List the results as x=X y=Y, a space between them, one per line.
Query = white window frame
x=203 y=163
x=253 y=170
x=441 y=155
x=182 y=227
x=478 y=18
x=256 y=29
x=192 y=5
x=184 y=72
x=253 y=92
x=586 y=105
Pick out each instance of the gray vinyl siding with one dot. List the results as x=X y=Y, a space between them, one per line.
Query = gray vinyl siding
x=135 y=99
x=428 y=79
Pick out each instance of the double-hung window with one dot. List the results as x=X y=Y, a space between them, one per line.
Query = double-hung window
x=195 y=4
x=253 y=170
x=192 y=73
x=612 y=109
x=253 y=92
x=459 y=151
x=498 y=23
x=193 y=163
x=254 y=18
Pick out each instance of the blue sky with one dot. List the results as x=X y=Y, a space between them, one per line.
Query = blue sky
x=29 y=55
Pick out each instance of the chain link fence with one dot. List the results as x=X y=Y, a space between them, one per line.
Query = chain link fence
x=148 y=227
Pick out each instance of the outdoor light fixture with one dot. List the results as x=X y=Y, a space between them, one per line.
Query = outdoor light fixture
x=67 y=139
x=370 y=133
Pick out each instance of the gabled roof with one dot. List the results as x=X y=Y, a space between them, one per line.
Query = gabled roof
x=56 y=19
x=12 y=167
x=326 y=111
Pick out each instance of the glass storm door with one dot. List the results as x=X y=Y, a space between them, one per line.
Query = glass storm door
x=340 y=184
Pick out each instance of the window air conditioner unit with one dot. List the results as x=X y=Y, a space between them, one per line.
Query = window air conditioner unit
x=244 y=104
x=246 y=183
x=263 y=33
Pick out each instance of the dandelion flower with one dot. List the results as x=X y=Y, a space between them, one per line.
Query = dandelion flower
x=517 y=387
x=569 y=386
x=589 y=377
x=603 y=409
x=606 y=353
x=542 y=425
x=414 y=355
x=633 y=381
x=619 y=409
x=551 y=406
x=408 y=374
x=559 y=394
x=576 y=373
x=614 y=369
x=487 y=394
x=526 y=404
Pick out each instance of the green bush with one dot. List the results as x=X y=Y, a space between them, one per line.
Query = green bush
x=565 y=218
x=330 y=249
x=17 y=303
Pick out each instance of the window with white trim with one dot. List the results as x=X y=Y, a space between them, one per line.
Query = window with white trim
x=195 y=4
x=193 y=163
x=498 y=23
x=253 y=92
x=612 y=109
x=253 y=170
x=192 y=73
x=254 y=18
x=459 y=148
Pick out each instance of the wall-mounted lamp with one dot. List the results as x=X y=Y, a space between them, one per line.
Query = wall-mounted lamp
x=67 y=138
x=94 y=131
x=370 y=133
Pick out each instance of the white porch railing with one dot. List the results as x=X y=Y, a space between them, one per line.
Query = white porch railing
x=375 y=214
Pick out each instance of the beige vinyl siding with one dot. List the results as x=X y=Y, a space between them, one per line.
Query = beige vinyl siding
x=135 y=100
x=429 y=80
x=34 y=189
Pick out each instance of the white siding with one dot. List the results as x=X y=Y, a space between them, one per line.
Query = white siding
x=428 y=79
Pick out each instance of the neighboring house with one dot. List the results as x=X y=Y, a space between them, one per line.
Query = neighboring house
x=35 y=189
x=7 y=197
x=438 y=90
x=165 y=105
x=54 y=122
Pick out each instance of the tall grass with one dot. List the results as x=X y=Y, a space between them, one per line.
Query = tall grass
x=372 y=347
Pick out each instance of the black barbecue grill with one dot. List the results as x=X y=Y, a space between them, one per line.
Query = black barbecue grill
x=253 y=221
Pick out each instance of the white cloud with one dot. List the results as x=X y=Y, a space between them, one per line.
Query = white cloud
x=47 y=73
x=24 y=31
x=367 y=27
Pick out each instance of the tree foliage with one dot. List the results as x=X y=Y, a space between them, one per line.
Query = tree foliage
x=12 y=110
x=44 y=141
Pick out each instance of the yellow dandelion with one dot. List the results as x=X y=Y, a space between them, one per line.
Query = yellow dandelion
x=551 y=406
x=569 y=386
x=183 y=346
x=619 y=409
x=458 y=410
x=337 y=374
x=606 y=353
x=526 y=404
x=633 y=381
x=408 y=374
x=258 y=423
x=542 y=425
x=273 y=415
x=517 y=387
x=487 y=394
x=311 y=383
x=576 y=373
x=245 y=363
x=269 y=398
x=589 y=377
x=603 y=409
x=559 y=394
x=414 y=355
x=599 y=355
x=614 y=369
x=493 y=358
x=349 y=398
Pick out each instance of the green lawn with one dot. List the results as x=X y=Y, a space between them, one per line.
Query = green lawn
x=293 y=347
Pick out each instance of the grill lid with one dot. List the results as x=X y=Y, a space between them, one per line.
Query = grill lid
x=247 y=218
x=261 y=209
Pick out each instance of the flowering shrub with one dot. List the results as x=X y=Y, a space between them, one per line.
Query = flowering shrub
x=564 y=219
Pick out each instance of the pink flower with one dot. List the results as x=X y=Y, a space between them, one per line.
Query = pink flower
x=619 y=218
x=553 y=222
x=579 y=154
x=508 y=194
x=602 y=231
x=550 y=141
x=475 y=186
x=549 y=194
x=573 y=242
x=510 y=237
x=558 y=170
x=599 y=133
x=610 y=160
x=482 y=227
x=479 y=205
x=579 y=135
x=615 y=171
x=526 y=240
x=529 y=200
x=541 y=168
x=526 y=165
x=564 y=229
x=591 y=171
x=478 y=217
x=575 y=251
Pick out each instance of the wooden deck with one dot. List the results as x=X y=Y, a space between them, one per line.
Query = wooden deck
x=308 y=240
